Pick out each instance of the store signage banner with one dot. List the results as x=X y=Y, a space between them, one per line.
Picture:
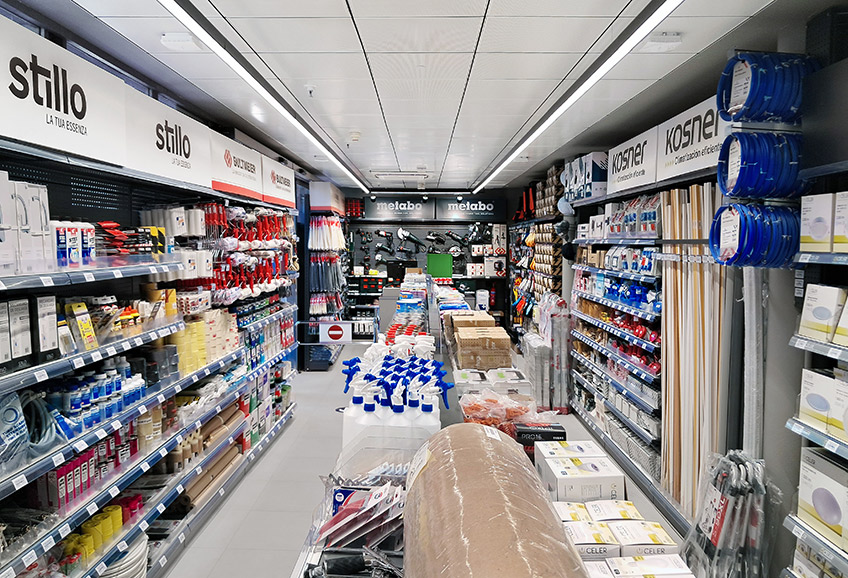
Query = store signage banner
x=324 y=196
x=53 y=98
x=235 y=169
x=471 y=208
x=331 y=332
x=690 y=141
x=164 y=142
x=277 y=183
x=633 y=163
x=406 y=208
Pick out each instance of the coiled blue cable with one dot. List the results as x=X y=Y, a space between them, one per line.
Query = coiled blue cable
x=775 y=89
x=768 y=236
x=769 y=166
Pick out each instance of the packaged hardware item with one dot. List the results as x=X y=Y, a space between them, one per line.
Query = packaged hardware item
x=654 y=565
x=823 y=493
x=822 y=310
x=641 y=538
x=840 y=223
x=572 y=512
x=610 y=510
x=593 y=540
x=817 y=223
x=582 y=479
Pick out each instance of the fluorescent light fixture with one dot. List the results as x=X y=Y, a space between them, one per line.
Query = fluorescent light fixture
x=399 y=175
x=632 y=41
x=198 y=31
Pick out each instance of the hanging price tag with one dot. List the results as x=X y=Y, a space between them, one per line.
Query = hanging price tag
x=19 y=482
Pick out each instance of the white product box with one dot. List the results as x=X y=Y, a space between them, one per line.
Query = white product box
x=817 y=223
x=577 y=449
x=640 y=538
x=609 y=510
x=593 y=540
x=8 y=227
x=45 y=232
x=571 y=511
x=583 y=231
x=594 y=175
x=818 y=392
x=19 y=329
x=840 y=336
x=804 y=567
x=494 y=266
x=823 y=494
x=499 y=240
x=822 y=309
x=598 y=569
x=583 y=479
x=596 y=227
x=837 y=422
x=662 y=565
x=840 y=223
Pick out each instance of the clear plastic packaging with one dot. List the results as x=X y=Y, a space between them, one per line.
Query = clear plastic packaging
x=476 y=507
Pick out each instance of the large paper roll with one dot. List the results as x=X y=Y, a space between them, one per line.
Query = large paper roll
x=477 y=509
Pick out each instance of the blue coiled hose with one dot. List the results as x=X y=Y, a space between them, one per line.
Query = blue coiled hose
x=768 y=236
x=770 y=165
x=775 y=90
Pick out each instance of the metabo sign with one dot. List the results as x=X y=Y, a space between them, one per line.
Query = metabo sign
x=471 y=209
x=690 y=141
x=165 y=142
x=53 y=98
x=406 y=208
x=633 y=163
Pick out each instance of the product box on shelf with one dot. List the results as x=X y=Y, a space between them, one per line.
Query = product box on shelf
x=822 y=310
x=529 y=434
x=840 y=223
x=665 y=565
x=817 y=223
x=823 y=493
x=494 y=266
x=597 y=569
x=596 y=227
x=804 y=567
x=583 y=231
x=9 y=225
x=593 y=540
x=499 y=238
x=582 y=479
x=611 y=510
x=641 y=538
x=572 y=449
x=818 y=398
x=594 y=175
x=572 y=512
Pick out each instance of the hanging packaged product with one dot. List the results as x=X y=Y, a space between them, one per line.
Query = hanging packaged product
x=46 y=339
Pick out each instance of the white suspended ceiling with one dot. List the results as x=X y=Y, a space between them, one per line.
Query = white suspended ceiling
x=446 y=87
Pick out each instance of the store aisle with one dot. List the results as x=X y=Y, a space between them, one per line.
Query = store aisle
x=260 y=529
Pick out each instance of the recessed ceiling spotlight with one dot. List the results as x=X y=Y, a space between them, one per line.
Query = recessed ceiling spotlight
x=373 y=198
x=354 y=136
x=320 y=158
x=459 y=198
x=182 y=42
x=425 y=197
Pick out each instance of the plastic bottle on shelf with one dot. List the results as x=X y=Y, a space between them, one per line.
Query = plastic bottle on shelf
x=429 y=418
x=399 y=423
x=352 y=413
x=369 y=421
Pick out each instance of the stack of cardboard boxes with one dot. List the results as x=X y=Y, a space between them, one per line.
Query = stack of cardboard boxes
x=478 y=343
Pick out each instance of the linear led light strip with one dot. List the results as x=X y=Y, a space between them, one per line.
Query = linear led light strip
x=195 y=28
x=640 y=34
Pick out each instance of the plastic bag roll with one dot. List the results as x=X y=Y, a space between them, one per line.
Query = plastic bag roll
x=196 y=222
x=477 y=509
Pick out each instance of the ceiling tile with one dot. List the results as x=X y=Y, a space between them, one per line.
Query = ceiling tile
x=552 y=8
x=541 y=34
x=419 y=89
x=137 y=8
x=409 y=9
x=316 y=65
x=722 y=7
x=343 y=106
x=419 y=34
x=420 y=65
x=278 y=8
x=298 y=34
x=354 y=88
x=516 y=66
x=435 y=107
x=197 y=66
x=642 y=66
x=509 y=89
x=502 y=126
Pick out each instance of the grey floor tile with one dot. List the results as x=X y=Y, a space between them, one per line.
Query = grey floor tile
x=266 y=530
x=255 y=563
x=196 y=562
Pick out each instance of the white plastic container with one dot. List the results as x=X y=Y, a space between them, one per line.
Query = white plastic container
x=352 y=413
x=369 y=422
x=429 y=418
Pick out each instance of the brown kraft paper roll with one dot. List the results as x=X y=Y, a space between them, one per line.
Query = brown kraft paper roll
x=477 y=509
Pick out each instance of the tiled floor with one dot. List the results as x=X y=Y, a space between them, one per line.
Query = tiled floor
x=259 y=530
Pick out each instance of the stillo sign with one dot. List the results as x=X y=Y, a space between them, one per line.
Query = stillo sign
x=53 y=98
x=690 y=141
x=277 y=183
x=471 y=209
x=633 y=163
x=165 y=142
x=407 y=208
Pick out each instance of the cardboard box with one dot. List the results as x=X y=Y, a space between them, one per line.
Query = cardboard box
x=837 y=422
x=582 y=480
x=483 y=360
x=611 y=510
x=593 y=540
x=823 y=494
x=817 y=212
x=640 y=538
x=572 y=512
x=594 y=167
x=662 y=565
x=529 y=434
x=822 y=310
x=840 y=223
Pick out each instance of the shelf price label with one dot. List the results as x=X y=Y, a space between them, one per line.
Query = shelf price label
x=96 y=356
x=19 y=482
x=40 y=375
x=29 y=558
x=77 y=362
x=122 y=546
x=831 y=446
x=64 y=530
x=91 y=508
x=48 y=543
